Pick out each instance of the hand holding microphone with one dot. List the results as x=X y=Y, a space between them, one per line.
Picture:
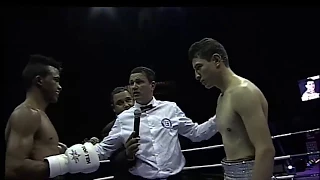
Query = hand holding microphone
x=132 y=144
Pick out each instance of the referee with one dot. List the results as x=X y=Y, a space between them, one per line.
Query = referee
x=156 y=150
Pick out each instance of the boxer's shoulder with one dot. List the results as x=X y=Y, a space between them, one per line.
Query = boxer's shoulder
x=24 y=116
x=243 y=89
x=247 y=95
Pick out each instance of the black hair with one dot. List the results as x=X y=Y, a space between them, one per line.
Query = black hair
x=149 y=73
x=205 y=48
x=116 y=91
x=309 y=79
x=38 y=66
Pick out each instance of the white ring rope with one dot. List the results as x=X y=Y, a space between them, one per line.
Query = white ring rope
x=273 y=137
x=219 y=165
x=276 y=177
x=104 y=178
x=104 y=161
x=295 y=176
x=221 y=145
x=276 y=158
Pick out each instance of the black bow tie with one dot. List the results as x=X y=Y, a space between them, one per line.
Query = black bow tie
x=146 y=108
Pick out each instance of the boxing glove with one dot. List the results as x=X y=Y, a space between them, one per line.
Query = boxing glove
x=78 y=158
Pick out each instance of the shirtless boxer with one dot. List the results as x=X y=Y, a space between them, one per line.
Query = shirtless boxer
x=32 y=142
x=242 y=113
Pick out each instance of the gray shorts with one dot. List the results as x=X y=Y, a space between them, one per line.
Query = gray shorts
x=239 y=169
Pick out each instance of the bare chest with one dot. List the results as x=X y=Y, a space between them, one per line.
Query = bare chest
x=47 y=133
x=45 y=140
x=228 y=121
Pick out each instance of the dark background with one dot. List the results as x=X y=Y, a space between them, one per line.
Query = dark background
x=273 y=47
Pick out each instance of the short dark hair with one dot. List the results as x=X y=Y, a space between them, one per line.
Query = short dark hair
x=309 y=79
x=116 y=91
x=38 y=65
x=205 y=48
x=149 y=73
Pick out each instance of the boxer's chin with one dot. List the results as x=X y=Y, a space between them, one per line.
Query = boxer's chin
x=54 y=99
x=208 y=86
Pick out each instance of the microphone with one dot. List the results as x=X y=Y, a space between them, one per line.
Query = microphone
x=137 y=114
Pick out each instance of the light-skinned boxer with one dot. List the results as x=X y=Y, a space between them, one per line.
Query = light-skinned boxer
x=242 y=113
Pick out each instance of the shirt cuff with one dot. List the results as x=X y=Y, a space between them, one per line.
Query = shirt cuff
x=213 y=119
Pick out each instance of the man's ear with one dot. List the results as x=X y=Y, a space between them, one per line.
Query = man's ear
x=153 y=85
x=216 y=58
x=112 y=106
x=38 y=81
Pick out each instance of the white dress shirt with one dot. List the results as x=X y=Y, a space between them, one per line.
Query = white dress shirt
x=159 y=154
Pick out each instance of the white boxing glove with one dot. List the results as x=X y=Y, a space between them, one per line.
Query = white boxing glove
x=78 y=158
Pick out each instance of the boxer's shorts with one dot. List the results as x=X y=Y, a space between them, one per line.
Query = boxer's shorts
x=238 y=170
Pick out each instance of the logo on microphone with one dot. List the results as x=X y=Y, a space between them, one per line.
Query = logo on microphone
x=166 y=123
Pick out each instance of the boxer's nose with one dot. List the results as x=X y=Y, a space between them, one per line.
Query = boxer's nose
x=197 y=76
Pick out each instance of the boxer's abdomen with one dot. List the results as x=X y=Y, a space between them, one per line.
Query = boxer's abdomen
x=237 y=144
x=235 y=139
x=238 y=149
x=45 y=140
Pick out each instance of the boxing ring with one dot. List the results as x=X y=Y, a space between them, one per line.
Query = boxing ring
x=221 y=145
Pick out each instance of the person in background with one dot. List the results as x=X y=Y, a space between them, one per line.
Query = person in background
x=121 y=99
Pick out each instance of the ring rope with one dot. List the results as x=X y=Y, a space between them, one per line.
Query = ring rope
x=294 y=176
x=221 y=145
x=276 y=177
x=104 y=161
x=276 y=158
x=273 y=137
x=105 y=178
x=219 y=165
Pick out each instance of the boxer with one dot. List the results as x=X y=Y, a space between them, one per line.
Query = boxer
x=32 y=143
x=242 y=113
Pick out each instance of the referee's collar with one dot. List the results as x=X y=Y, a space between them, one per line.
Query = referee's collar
x=153 y=103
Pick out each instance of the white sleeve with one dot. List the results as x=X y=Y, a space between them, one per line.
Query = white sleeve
x=110 y=143
x=194 y=131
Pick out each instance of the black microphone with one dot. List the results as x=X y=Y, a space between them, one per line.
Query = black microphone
x=137 y=114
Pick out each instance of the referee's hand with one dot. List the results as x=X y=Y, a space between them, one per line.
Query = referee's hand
x=93 y=140
x=132 y=146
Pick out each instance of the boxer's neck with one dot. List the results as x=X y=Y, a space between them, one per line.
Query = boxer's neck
x=227 y=76
x=36 y=100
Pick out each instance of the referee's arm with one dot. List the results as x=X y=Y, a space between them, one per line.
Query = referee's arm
x=194 y=131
